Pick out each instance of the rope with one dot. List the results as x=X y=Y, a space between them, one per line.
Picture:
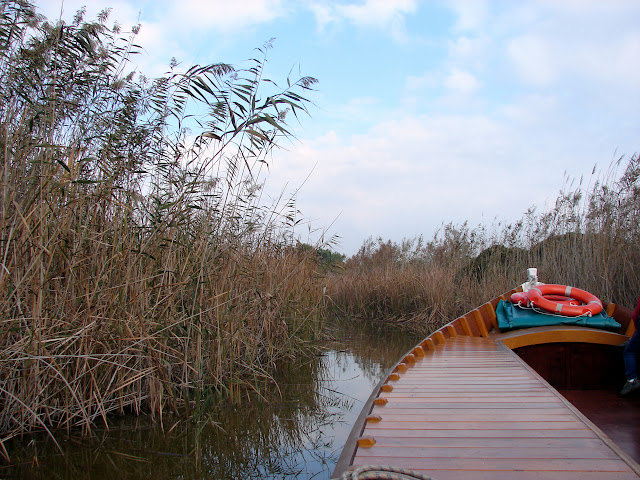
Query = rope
x=544 y=312
x=383 y=472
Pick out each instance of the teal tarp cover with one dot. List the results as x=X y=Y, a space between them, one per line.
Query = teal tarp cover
x=511 y=317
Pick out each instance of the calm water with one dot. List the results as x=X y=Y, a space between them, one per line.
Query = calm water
x=297 y=433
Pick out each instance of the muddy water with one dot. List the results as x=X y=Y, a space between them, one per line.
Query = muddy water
x=297 y=432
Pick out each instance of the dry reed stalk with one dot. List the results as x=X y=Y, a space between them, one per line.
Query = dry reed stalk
x=589 y=238
x=131 y=276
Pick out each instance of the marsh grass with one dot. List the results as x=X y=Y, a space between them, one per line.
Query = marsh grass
x=589 y=238
x=140 y=267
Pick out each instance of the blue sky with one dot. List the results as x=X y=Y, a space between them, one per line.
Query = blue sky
x=426 y=112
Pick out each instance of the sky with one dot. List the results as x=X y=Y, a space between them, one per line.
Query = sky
x=426 y=112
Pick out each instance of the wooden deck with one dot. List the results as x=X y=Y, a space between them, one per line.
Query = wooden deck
x=618 y=418
x=464 y=406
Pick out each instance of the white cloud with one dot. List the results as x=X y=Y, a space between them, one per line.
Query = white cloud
x=403 y=177
x=513 y=95
x=386 y=15
x=461 y=81
x=121 y=11
x=471 y=14
x=378 y=13
x=407 y=175
x=223 y=15
x=534 y=59
x=470 y=51
x=614 y=60
x=459 y=85
x=576 y=42
x=419 y=82
x=531 y=109
x=324 y=14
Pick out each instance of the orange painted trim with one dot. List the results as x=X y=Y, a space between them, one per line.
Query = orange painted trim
x=429 y=344
x=402 y=368
x=540 y=335
x=480 y=322
x=492 y=315
x=418 y=351
x=366 y=442
x=631 y=329
x=465 y=326
x=409 y=360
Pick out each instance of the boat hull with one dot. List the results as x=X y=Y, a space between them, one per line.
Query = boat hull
x=464 y=403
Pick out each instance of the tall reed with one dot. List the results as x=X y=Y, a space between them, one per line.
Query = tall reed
x=589 y=238
x=139 y=264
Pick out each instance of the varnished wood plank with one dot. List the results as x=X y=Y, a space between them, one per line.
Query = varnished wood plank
x=482 y=326
x=428 y=344
x=443 y=373
x=617 y=417
x=525 y=475
x=421 y=371
x=554 y=334
x=491 y=311
x=459 y=327
x=447 y=424
x=463 y=386
x=473 y=326
x=420 y=374
x=411 y=379
x=456 y=416
x=488 y=455
x=413 y=407
x=539 y=394
x=431 y=431
x=452 y=331
x=496 y=464
x=462 y=321
x=510 y=373
x=489 y=442
x=455 y=383
x=470 y=409
x=630 y=329
x=479 y=400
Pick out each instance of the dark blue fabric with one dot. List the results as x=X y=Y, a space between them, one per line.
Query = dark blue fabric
x=630 y=354
x=511 y=317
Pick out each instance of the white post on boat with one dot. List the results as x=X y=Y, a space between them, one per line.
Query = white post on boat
x=532 y=279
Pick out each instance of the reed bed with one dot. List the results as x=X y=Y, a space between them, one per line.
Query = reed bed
x=140 y=267
x=589 y=238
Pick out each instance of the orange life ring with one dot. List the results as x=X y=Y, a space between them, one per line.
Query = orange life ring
x=591 y=305
x=520 y=298
x=562 y=299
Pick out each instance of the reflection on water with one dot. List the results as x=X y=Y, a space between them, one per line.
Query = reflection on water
x=297 y=432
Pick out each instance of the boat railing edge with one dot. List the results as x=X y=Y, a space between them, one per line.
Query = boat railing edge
x=479 y=322
x=461 y=326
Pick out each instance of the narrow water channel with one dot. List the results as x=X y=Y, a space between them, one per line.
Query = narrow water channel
x=297 y=432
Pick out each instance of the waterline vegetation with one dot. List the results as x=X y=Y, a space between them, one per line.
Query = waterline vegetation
x=589 y=238
x=140 y=265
